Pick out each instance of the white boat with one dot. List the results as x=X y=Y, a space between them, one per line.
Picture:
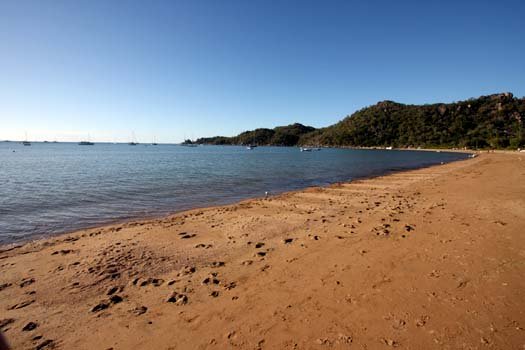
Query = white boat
x=389 y=148
x=86 y=143
x=133 y=141
x=25 y=142
x=306 y=149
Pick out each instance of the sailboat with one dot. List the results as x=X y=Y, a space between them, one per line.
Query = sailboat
x=86 y=143
x=154 y=141
x=133 y=140
x=25 y=142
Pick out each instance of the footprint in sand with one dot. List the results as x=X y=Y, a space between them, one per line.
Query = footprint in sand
x=62 y=252
x=30 y=326
x=48 y=343
x=230 y=286
x=398 y=324
x=186 y=235
x=421 y=321
x=205 y=246
x=177 y=299
x=26 y=281
x=21 y=305
x=115 y=289
x=115 y=299
x=389 y=342
x=103 y=305
x=434 y=273
x=4 y=323
x=145 y=282
x=100 y=306
x=212 y=279
x=186 y=270
x=462 y=283
x=4 y=286
x=139 y=310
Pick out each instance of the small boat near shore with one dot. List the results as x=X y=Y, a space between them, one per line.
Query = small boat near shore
x=309 y=149
x=251 y=147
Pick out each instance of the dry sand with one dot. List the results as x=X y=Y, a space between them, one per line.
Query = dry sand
x=425 y=259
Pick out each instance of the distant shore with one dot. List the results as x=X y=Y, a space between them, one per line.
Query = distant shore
x=428 y=258
x=461 y=150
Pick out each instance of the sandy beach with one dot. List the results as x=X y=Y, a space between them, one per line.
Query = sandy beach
x=426 y=259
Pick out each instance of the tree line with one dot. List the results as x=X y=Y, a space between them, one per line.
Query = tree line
x=494 y=121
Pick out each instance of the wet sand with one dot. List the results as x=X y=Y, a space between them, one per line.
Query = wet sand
x=426 y=259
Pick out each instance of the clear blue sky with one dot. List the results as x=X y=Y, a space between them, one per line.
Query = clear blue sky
x=201 y=68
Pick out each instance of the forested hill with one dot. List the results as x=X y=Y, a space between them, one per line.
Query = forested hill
x=494 y=121
x=280 y=136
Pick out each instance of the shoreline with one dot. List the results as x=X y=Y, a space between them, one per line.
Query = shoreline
x=430 y=258
x=112 y=222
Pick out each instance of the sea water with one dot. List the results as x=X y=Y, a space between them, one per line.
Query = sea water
x=51 y=188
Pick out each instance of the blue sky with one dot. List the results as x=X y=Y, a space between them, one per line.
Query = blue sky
x=175 y=69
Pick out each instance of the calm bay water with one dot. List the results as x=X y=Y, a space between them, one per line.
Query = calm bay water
x=51 y=188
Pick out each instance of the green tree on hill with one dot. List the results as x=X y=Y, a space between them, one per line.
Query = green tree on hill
x=494 y=121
